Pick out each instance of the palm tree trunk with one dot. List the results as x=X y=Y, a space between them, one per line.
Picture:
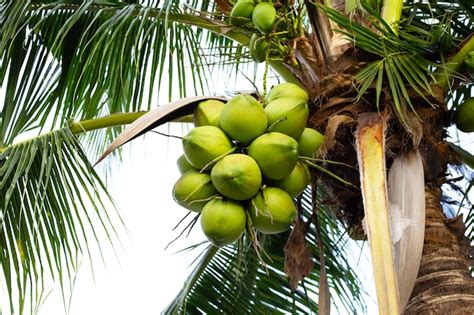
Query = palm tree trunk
x=444 y=284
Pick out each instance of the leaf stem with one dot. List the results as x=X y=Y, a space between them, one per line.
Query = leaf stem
x=454 y=63
x=391 y=13
x=112 y=120
x=370 y=144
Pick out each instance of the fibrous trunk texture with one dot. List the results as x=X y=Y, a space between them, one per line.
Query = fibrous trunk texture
x=443 y=285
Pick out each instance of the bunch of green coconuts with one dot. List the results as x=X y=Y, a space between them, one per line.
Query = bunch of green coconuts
x=263 y=16
x=244 y=162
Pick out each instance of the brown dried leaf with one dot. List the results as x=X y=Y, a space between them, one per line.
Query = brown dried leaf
x=298 y=256
x=330 y=134
x=416 y=130
x=155 y=118
x=224 y=5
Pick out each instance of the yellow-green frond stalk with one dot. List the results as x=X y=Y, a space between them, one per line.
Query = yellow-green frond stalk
x=391 y=13
x=454 y=64
x=371 y=159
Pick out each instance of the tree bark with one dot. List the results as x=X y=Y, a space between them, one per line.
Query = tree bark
x=444 y=284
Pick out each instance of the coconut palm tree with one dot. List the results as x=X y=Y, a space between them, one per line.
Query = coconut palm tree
x=383 y=75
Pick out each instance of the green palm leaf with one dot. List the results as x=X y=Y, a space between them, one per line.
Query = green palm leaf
x=457 y=15
x=401 y=64
x=232 y=278
x=463 y=189
x=51 y=196
x=79 y=61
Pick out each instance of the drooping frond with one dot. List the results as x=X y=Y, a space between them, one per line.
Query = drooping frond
x=232 y=278
x=63 y=61
x=50 y=199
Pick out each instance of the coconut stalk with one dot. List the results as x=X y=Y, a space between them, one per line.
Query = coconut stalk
x=370 y=140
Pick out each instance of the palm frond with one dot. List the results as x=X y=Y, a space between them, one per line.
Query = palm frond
x=401 y=64
x=51 y=197
x=461 y=93
x=77 y=61
x=457 y=17
x=232 y=278
x=457 y=197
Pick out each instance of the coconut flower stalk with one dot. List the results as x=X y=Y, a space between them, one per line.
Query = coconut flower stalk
x=371 y=158
x=406 y=195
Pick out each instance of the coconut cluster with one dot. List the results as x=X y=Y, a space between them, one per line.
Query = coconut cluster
x=263 y=16
x=244 y=162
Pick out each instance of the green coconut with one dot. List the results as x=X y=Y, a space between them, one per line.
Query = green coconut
x=285 y=90
x=237 y=176
x=243 y=118
x=272 y=211
x=193 y=190
x=258 y=48
x=288 y=116
x=183 y=165
x=275 y=153
x=204 y=144
x=241 y=11
x=465 y=115
x=263 y=17
x=296 y=182
x=310 y=142
x=208 y=113
x=223 y=221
